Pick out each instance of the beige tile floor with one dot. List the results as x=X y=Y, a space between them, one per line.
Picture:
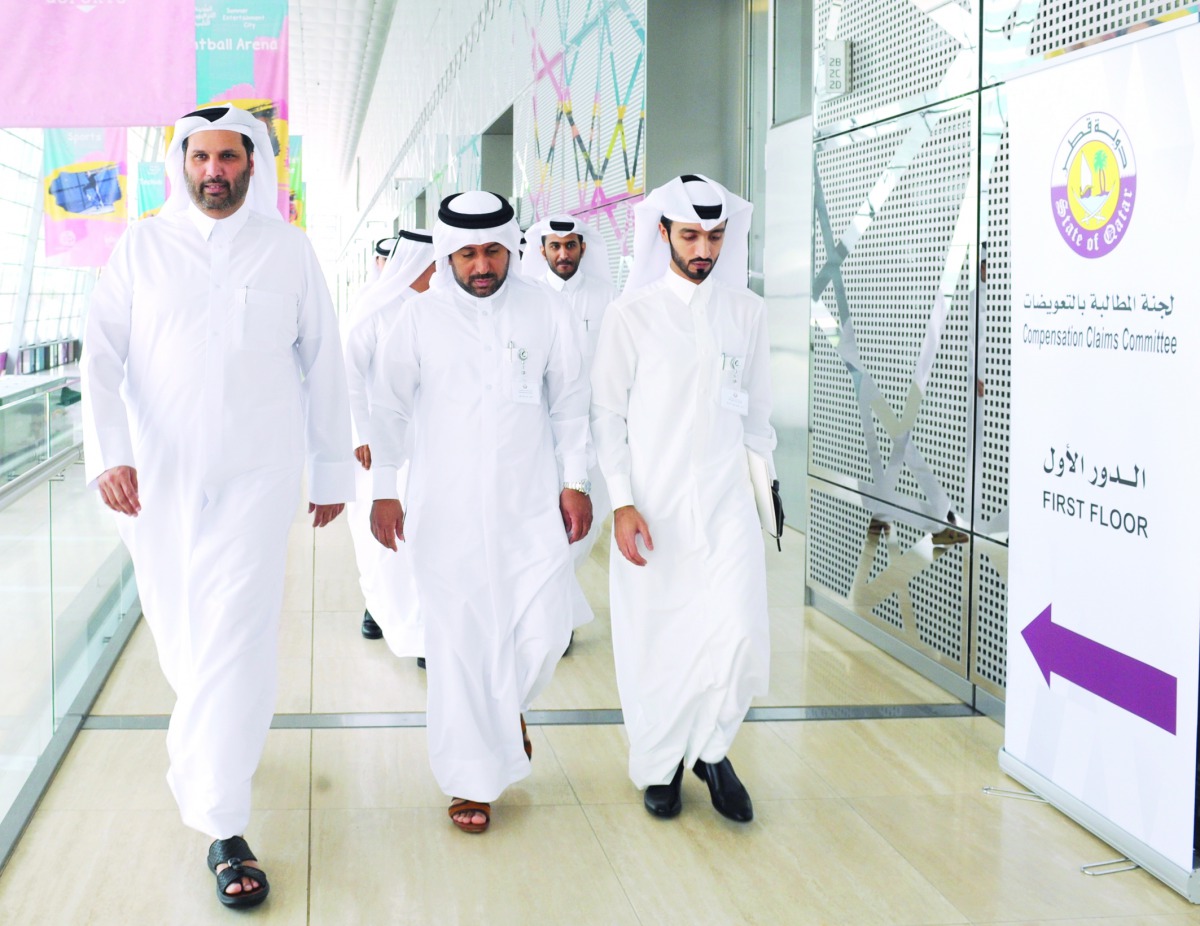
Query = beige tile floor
x=857 y=822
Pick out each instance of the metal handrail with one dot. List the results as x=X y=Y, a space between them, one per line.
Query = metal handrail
x=32 y=478
x=34 y=389
x=56 y=462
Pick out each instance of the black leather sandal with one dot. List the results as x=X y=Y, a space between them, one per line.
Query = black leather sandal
x=235 y=852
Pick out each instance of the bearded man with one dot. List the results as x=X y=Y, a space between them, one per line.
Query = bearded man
x=212 y=371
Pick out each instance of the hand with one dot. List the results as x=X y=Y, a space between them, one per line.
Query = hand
x=627 y=524
x=576 y=511
x=980 y=389
x=323 y=514
x=363 y=455
x=387 y=521
x=119 y=489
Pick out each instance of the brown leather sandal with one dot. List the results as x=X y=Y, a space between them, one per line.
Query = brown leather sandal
x=462 y=805
x=525 y=737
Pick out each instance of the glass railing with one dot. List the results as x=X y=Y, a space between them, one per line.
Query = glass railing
x=66 y=583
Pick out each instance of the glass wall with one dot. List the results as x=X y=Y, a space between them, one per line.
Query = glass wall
x=65 y=578
x=793 y=71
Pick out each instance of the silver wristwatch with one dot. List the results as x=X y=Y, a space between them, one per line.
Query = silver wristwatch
x=585 y=487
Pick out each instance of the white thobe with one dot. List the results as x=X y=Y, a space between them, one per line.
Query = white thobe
x=212 y=365
x=495 y=390
x=690 y=630
x=385 y=577
x=587 y=299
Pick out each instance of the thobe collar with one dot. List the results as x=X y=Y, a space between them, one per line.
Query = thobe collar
x=560 y=285
x=230 y=226
x=685 y=290
x=484 y=304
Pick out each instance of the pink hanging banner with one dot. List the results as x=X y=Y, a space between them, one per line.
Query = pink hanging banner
x=86 y=194
x=97 y=62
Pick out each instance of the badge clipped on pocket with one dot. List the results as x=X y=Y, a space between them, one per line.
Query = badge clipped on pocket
x=526 y=376
x=732 y=395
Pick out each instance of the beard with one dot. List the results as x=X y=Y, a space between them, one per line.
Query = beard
x=231 y=194
x=694 y=269
x=565 y=269
x=469 y=284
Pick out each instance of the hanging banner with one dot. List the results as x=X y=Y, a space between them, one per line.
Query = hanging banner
x=297 y=187
x=242 y=58
x=86 y=62
x=1104 y=596
x=85 y=194
x=151 y=187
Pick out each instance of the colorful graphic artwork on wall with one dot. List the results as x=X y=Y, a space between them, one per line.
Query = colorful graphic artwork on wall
x=582 y=126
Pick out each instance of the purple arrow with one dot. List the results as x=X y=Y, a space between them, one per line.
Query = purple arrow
x=1133 y=686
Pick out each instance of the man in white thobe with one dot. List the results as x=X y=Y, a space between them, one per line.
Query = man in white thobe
x=383 y=252
x=385 y=578
x=680 y=390
x=212 y=370
x=487 y=368
x=384 y=248
x=570 y=257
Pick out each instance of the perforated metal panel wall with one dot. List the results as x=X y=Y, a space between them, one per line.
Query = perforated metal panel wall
x=890 y=281
x=836 y=527
x=1016 y=32
x=901 y=58
x=908 y=464
x=1069 y=22
x=897 y=581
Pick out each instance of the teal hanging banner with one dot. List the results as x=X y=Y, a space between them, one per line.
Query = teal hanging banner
x=151 y=188
x=242 y=58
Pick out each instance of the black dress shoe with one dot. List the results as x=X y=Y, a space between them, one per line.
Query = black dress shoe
x=664 y=800
x=729 y=795
x=370 y=629
x=420 y=662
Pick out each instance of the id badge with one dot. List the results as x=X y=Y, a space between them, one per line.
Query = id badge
x=526 y=390
x=736 y=400
x=733 y=396
x=527 y=393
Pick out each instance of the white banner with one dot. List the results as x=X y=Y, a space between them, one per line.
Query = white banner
x=1104 y=583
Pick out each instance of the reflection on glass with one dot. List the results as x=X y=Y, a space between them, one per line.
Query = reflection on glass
x=793 y=60
x=65 y=578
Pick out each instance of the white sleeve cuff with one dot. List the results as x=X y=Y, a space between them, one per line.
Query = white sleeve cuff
x=383 y=481
x=620 y=491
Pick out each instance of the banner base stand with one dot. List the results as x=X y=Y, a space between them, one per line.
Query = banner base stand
x=1185 y=882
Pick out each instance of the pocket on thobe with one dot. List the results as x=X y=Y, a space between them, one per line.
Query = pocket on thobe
x=265 y=321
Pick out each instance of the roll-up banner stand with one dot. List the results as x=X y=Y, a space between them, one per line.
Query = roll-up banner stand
x=1104 y=580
